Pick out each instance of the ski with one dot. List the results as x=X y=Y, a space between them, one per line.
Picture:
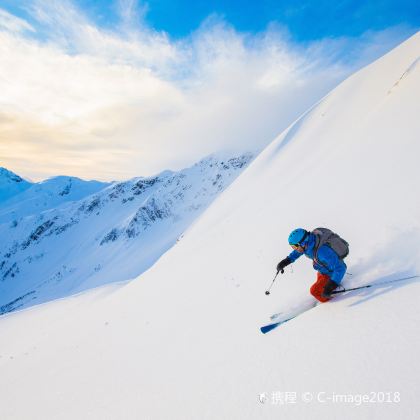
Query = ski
x=267 y=328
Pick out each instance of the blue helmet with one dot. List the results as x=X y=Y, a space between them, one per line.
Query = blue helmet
x=297 y=236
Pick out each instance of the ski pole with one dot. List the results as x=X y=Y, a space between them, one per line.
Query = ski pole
x=267 y=292
x=353 y=288
x=383 y=283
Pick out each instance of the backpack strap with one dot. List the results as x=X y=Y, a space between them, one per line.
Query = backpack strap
x=317 y=243
x=316 y=247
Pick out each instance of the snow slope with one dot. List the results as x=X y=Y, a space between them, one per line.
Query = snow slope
x=183 y=341
x=11 y=184
x=112 y=235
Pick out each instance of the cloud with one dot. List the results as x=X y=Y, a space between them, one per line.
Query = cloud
x=12 y=23
x=82 y=100
x=132 y=13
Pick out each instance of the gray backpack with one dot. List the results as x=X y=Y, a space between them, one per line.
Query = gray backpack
x=324 y=236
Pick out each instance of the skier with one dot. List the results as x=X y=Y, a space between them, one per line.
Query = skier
x=327 y=251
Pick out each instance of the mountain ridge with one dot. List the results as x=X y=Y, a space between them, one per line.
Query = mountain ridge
x=69 y=247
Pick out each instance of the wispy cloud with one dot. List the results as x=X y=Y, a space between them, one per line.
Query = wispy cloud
x=95 y=102
x=12 y=23
x=132 y=13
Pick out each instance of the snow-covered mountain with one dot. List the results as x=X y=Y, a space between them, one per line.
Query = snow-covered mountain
x=183 y=340
x=11 y=184
x=51 y=193
x=112 y=235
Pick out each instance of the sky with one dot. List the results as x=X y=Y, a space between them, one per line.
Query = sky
x=110 y=90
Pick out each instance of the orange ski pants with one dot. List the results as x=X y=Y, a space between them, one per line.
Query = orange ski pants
x=318 y=287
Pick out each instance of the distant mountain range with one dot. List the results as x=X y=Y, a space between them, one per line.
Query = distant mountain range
x=21 y=198
x=64 y=235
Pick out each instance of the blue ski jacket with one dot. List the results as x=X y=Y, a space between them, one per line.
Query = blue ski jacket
x=327 y=261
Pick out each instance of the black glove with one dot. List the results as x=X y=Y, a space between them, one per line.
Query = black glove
x=283 y=263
